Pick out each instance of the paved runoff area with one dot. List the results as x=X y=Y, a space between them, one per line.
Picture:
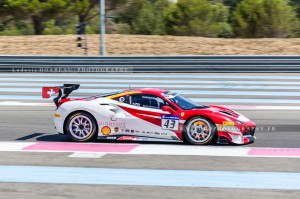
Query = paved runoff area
x=35 y=162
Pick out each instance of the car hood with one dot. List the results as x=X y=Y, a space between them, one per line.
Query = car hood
x=229 y=113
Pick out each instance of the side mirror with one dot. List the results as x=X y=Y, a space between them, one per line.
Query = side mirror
x=168 y=109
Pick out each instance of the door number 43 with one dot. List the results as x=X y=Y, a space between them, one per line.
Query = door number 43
x=169 y=122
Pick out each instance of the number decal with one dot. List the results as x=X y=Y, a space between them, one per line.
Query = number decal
x=169 y=122
x=172 y=124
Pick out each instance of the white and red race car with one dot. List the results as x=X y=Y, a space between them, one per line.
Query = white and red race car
x=146 y=115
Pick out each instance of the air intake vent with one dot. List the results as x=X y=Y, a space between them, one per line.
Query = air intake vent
x=228 y=112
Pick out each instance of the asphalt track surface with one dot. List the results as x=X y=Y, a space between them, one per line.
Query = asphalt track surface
x=21 y=127
x=276 y=128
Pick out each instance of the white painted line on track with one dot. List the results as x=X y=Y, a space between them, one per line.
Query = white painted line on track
x=150 y=149
x=13 y=146
x=86 y=155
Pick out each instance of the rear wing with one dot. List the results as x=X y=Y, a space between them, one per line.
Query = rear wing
x=66 y=89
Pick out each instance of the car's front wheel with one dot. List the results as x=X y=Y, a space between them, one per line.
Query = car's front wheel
x=81 y=127
x=199 y=130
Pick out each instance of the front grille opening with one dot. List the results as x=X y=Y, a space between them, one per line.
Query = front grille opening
x=249 y=131
x=222 y=140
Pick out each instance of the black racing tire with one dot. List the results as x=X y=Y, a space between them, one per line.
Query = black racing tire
x=81 y=127
x=199 y=131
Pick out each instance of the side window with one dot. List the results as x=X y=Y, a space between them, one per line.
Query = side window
x=147 y=101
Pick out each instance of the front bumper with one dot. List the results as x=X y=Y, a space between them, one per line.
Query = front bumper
x=243 y=134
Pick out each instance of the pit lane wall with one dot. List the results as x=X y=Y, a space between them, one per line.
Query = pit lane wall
x=150 y=64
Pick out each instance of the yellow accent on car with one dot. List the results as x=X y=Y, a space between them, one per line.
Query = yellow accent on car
x=228 y=123
x=56 y=115
x=123 y=94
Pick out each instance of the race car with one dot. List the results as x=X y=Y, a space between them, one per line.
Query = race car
x=147 y=114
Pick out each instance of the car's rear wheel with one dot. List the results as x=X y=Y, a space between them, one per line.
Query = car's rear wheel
x=199 y=130
x=81 y=127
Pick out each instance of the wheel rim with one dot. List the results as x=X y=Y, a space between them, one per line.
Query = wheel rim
x=199 y=130
x=80 y=127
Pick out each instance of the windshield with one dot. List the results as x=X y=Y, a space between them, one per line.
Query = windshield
x=181 y=101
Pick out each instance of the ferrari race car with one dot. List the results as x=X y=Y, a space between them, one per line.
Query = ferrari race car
x=146 y=115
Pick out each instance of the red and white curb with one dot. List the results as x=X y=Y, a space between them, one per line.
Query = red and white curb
x=97 y=150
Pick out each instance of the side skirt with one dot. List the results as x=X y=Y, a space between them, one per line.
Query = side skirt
x=136 y=138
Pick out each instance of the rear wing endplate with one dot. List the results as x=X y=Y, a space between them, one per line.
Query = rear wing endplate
x=63 y=92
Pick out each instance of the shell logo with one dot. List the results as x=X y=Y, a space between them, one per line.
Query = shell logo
x=105 y=130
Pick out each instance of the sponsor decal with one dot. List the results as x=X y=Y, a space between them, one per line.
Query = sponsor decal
x=136 y=104
x=143 y=132
x=116 y=129
x=56 y=115
x=172 y=117
x=122 y=130
x=132 y=131
x=129 y=138
x=105 y=130
x=113 y=118
x=137 y=131
x=229 y=129
x=156 y=133
x=182 y=114
x=113 y=124
x=111 y=138
x=149 y=132
x=228 y=123
x=122 y=99
x=170 y=122
x=127 y=130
